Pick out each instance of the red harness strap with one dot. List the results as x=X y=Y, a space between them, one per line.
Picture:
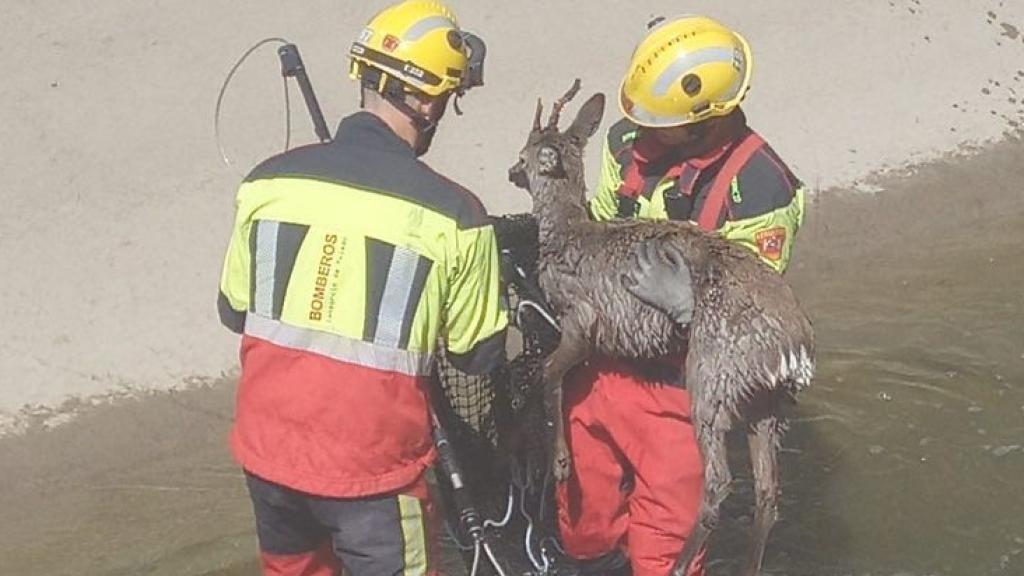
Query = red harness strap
x=716 y=201
x=641 y=154
x=636 y=158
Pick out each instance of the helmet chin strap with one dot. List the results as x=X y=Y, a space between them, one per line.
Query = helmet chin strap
x=395 y=94
x=425 y=127
x=419 y=119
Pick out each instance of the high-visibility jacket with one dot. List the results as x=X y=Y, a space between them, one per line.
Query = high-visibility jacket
x=742 y=189
x=347 y=264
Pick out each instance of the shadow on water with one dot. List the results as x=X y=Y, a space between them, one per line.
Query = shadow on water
x=905 y=457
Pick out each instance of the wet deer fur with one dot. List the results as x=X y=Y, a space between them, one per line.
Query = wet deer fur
x=748 y=347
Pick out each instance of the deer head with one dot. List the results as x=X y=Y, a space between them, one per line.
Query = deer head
x=553 y=155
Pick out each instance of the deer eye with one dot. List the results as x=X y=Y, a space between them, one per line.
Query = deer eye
x=547 y=159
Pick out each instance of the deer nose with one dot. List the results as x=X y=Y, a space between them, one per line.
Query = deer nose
x=517 y=175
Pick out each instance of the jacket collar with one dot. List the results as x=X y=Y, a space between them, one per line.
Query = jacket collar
x=365 y=129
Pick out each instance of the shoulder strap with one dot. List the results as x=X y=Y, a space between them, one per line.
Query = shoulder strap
x=717 y=198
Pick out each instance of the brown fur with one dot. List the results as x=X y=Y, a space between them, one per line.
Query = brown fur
x=750 y=345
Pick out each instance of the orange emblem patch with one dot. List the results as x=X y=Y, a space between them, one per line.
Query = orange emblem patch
x=770 y=243
x=390 y=43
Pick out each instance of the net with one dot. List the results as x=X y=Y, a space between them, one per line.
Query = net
x=496 y=426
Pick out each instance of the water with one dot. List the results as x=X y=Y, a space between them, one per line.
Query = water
x=907 y=454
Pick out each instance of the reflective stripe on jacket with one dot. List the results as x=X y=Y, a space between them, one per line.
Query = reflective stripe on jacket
x=348 y=262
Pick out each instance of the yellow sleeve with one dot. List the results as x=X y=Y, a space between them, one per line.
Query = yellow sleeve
x=770 y=235
x=605 y=203
x=233 y=300
x=475 y=315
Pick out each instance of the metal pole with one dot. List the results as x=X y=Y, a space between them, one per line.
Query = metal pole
x=292 y=67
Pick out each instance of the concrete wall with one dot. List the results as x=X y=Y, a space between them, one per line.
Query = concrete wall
x=115 y=206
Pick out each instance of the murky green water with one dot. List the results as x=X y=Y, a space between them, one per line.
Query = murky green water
x=907 y=455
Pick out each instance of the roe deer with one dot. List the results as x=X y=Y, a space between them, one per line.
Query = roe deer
x=748 y=346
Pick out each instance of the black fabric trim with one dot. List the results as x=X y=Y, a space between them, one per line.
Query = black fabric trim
x=284 y=525
x=678 y=206
x=232 y=319
x=423 y=267
x=379 y=255
x=706 y=178
x=486 y=356
x=291 y=522
x=790 y=177
x=628 y=207
x=651 y=181
x=254 y=227
x=399 y=66
x=764 y=186
x=617 y=134
x=374 y=541
x=679 y=198
x=366 y=154
x=687 y=180
x=289 y=240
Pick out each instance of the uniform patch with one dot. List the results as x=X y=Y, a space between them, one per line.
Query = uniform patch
x=770 y=243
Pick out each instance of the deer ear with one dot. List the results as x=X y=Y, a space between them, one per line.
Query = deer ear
x=588 y=119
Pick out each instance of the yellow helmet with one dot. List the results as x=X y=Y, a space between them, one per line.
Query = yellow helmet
x=686 y=70
x=418 y=42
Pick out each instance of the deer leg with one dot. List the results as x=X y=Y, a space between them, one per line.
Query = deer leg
x=763 y=439
x=572 y=349
x=717 y=484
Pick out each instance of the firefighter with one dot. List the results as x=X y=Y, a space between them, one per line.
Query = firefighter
x=683 y=151
x=348 y=262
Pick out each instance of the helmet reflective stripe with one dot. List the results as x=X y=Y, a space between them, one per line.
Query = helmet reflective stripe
x=687 y=62
x=420 y=29
x=647 y=118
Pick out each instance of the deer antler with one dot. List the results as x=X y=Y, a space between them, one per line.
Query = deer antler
x=536 y=116
x=556 y=110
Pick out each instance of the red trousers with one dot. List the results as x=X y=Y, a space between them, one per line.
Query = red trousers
x=637 y=470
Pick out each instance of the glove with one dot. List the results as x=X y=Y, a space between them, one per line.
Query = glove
x=660 y=277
